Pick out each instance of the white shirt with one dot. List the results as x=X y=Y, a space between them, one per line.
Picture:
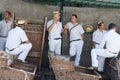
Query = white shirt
x=98 y=35
x=56 y=30
x=76 y=32
x=15 y=37
x=112 y=41
x=5 y=27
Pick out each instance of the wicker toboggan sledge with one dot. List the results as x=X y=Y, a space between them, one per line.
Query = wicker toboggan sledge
x=65 y=70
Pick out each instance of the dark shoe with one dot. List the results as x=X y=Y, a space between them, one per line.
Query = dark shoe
x=18 y=60
x=101 y=72
x=98 y=74
x=72 y=58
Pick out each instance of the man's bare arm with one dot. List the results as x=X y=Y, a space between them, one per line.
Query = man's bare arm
x=27 y=42
x=82 y=35
x=94 y=44
x=50 y=27
x=65 y=30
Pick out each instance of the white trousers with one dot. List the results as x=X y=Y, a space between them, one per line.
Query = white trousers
x=100 y=52
x=76 y=49
x=2 y=43
x=55 y=46
x=22 y=51
x=100 y=60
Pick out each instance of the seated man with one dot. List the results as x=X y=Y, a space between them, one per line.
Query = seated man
x=112 y=41
x=17 y=42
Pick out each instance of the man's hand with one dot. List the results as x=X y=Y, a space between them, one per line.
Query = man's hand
x=52 y=25
x=65 y=30
x=55 y=21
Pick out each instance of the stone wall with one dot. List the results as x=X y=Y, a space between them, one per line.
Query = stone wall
x=85 y=16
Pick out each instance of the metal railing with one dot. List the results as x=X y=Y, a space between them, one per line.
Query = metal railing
x=81 y=3
x=0 y=16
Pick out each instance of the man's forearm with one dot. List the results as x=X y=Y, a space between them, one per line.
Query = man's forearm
x=82 y=37
x=50 y=27
x=94 y=44
x=27 y=42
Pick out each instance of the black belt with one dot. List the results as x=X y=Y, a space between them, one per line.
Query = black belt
x=112 y=52
x=97 y=43
x=3 y=36
x=11 y=49
x=75 y=40
x=57 y=38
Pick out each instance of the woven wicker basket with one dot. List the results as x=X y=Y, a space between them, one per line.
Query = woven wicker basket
x=15 y=74
x=61 y=65
x=113 y=68
x=3 y=62
x=65 y=70
x=75 y=75
x=3 y=59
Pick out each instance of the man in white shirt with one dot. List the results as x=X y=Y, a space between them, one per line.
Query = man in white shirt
x=17 y=42
x=97 y=37
x=112 y=41
x=54 y=27
x=5 y=26
x=76 y=38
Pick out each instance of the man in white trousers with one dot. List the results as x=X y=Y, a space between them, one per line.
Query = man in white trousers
x=96 y=39
x=112 y=41
x=5 y=26
x=76 y=38
x=17 y=42
x=54 y=27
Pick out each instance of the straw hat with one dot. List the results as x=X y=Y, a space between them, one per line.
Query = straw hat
x=56 y=12
x=21 y=22
x=100 y=22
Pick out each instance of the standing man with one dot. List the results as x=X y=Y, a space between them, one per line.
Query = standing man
x=54 y=27
x=112 y=41
x=5 y=26
x=97 y=37
x=17 y=42
x=76 y=38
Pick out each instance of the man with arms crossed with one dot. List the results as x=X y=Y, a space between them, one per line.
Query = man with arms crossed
x=97 y=37
x=5 y=26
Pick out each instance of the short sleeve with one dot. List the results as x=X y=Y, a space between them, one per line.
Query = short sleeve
x=81 y=30
x=48 y=24
x=93 y=36
x=23 y=36
x=103 y=41
x=0 y=24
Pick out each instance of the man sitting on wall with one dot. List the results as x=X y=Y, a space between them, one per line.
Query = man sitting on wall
x=112 y=41
x=17 y=42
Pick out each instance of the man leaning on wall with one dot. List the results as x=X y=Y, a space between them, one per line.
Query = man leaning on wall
x=5 y=26
x=76 y=38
